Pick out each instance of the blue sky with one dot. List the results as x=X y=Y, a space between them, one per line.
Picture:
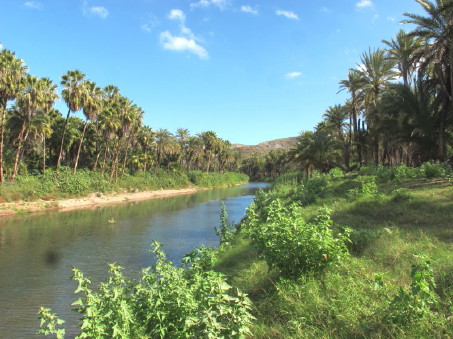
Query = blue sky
x=249 y=70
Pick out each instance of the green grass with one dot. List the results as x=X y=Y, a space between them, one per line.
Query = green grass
x=392 y=226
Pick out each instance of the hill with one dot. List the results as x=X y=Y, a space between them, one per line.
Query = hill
x=265 y=147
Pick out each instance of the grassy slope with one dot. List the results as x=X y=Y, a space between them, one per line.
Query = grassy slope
x=406 y=218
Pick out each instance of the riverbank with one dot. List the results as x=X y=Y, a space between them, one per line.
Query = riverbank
x=394 y=279
x=92 y=200
x=62 y=190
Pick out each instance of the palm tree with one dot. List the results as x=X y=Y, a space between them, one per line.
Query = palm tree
x=12 y=70
x=91 y=106
x=73 y=94
x=402 y=51
x=211 y=147
x=37 y=94
x=336 y=119
x=435 y=55
x=41 y=127
x=354 y=84
x=377 y=70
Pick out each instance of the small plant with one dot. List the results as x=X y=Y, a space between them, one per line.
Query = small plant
x=227 y=228
x=410 y=305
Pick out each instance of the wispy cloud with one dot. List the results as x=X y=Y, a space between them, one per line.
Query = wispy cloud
x=391 y=19
x=292 y=75
x=249 y=9
x=364 y=4
x=182 y=44
x=324 y=9
x=33 y=4
x=185 y=41
x=1 y=45
x=288 y=14
x=98 y=11
x=151 y=23
x=206 y=3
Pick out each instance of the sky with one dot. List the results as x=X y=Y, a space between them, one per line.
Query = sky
x=251 y=71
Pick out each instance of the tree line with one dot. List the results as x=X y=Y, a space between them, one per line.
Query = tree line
x=399 y=110
x=112 y=139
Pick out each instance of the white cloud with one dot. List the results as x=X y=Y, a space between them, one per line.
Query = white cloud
x=182 y=44
x=292 y=75
x=32 y=4
x=391 y=19
x=177 y=14
x=364 y=4
x=288 y=14
x=98 y=11
x=325 y=10
x=206 y=3
x=1 y=45
x=249 y=9
x=146 y=28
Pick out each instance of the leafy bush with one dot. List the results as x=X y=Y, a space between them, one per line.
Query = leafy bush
x=432 y=169
x=336 y=172
x=310 y=189
x=290 y=244
x=368 y=188
x=167 y=301
x=410 y=305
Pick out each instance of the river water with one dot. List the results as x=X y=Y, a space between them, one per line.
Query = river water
x=38 y=251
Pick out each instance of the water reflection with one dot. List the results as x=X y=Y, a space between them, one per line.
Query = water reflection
x=37 y=251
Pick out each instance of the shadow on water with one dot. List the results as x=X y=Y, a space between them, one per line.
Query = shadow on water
x=38 y=251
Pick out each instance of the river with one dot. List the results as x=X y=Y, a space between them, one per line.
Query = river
x=38 y=251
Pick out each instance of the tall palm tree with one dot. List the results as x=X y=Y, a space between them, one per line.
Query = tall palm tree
x=354 y=84
x=92 y=104
x=41 y=128
x=12 y=70
x=36 y=95
x=378 y=71
x=403 y=50
x=211 y=147
x=73 y=94
x=435 y=55
x=336 y=119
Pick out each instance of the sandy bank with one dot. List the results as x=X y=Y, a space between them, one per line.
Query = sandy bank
x=94 y=199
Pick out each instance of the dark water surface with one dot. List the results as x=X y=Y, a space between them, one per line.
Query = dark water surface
x=38 y=251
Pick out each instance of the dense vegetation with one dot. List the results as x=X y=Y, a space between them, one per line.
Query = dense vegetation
x=400 y=106
x=112 y=140
x=363 y=255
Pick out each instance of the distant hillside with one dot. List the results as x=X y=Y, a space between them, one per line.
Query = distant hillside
x=265 y=147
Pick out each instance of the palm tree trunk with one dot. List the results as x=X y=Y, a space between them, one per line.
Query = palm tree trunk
x=2 y=128
x=124 y=163
x=80 y=147
x=43 y=154
x=62 y=141
x=19 y=146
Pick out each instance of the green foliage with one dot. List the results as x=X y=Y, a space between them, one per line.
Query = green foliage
x=336 y=172
x=166 y=301
x=227 y=228
x=411 y=305
x=290 y=244
x=312 y=188
x=368 y=188
x=49 y=323
x=214 y=179
x=432 y=169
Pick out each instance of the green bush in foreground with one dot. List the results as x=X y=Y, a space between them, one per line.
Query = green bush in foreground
x=290 y=244
x=167 y=301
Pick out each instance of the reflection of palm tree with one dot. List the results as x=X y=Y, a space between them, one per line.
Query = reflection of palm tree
x=73 y=94
x=435 y=55
x=12 y=71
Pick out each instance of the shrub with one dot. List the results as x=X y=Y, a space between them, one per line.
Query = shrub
x=227 y=228
x=290 y=244
x=167 y=301
x=432 y=169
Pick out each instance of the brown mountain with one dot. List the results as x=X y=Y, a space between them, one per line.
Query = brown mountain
x=265 y=147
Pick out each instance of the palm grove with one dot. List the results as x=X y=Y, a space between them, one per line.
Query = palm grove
x=112 y=139
x=400 y=105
